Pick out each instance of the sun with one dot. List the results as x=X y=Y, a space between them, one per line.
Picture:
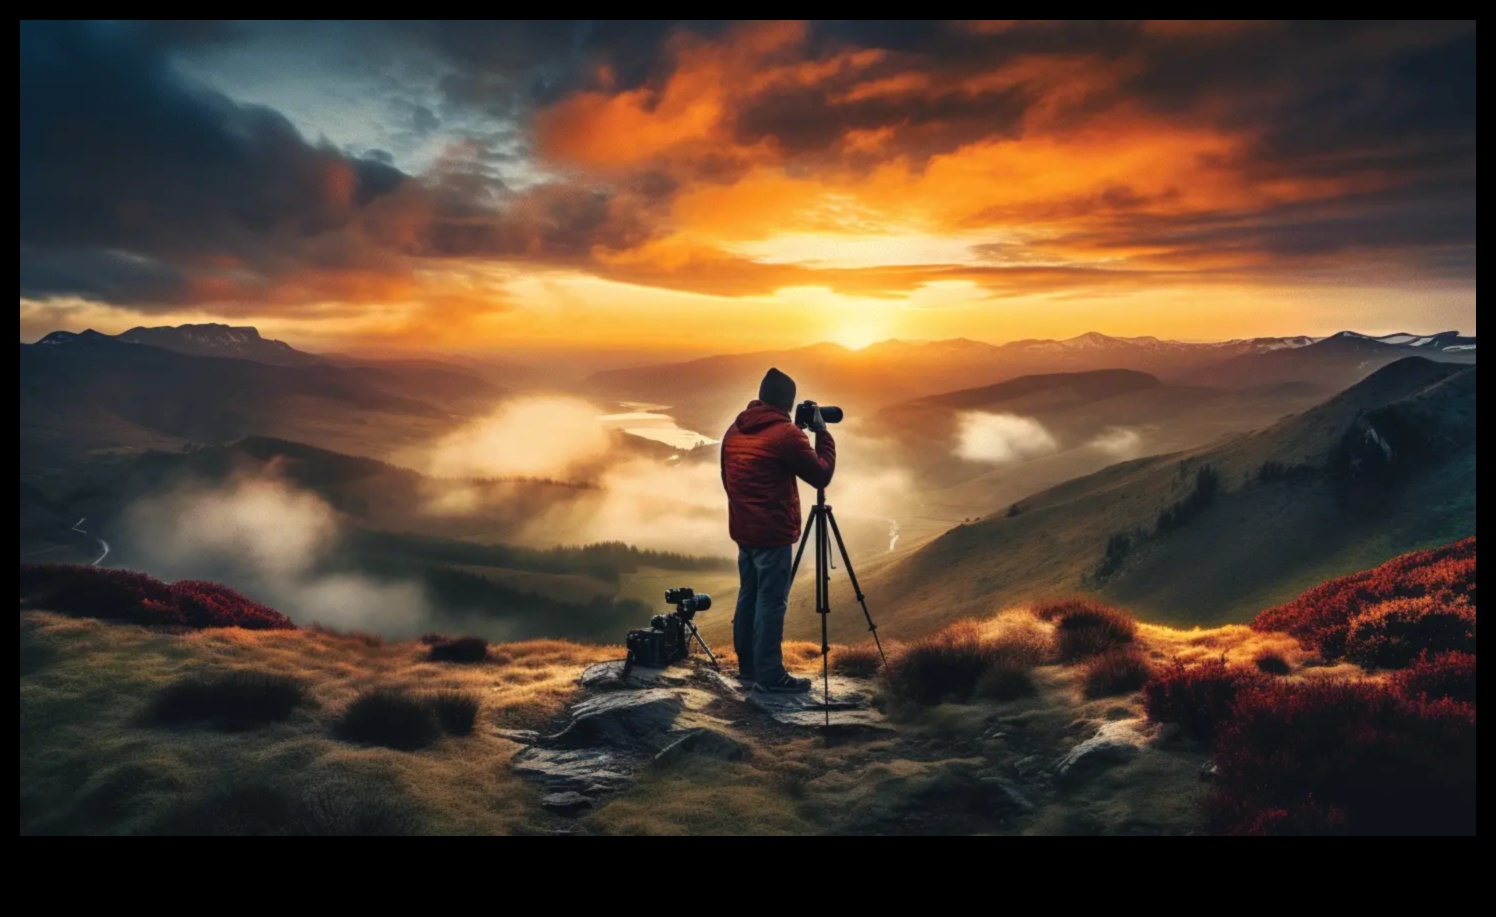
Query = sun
x=857 y=335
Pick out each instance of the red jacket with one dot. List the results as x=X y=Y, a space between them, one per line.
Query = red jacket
x=763 y=452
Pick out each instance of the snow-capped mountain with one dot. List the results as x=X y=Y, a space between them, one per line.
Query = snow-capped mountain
x=1447 y=341
x=1095 y=342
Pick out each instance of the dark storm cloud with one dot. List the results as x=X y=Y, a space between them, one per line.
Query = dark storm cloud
x=1326 y=95
x=513 y=65
x=109 y=276
x=1430 y=225
x=805 y=121
x=139 y=187
x=117 y=155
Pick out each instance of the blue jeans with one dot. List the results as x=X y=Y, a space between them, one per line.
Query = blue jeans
x=758 y=623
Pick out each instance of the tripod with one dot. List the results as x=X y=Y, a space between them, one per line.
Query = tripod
x=691 y=627
x=823 y=524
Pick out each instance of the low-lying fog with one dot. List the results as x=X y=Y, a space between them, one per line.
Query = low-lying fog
x=268 y=537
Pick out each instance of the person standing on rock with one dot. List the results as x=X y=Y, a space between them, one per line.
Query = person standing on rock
x=763 y=453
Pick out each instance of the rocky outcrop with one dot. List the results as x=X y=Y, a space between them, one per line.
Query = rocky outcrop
x=625 y=724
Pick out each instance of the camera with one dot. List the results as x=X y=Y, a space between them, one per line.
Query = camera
x=686 y=602
x=805 y=412
x=668 y=638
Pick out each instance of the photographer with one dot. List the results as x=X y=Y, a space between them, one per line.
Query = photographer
x=763 y=453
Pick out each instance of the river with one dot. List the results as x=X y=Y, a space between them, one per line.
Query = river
x=648 y=421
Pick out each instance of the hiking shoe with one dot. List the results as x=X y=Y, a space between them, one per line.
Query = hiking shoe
x=787 y=684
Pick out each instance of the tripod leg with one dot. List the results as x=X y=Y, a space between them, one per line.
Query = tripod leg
x=856 y=588
x=699 y=639
x=823 y=599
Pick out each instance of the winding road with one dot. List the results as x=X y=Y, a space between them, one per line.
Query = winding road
x=103 y=545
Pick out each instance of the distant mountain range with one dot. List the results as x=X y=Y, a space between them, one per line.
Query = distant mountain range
x=155 y=387
x=211 y=382
x=213 y=340
x=1335 y=362
x=707 y=391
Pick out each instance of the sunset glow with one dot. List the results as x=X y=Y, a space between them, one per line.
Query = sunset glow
x=750 y=185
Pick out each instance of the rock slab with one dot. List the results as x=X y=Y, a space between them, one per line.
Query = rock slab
x=703 y=743
x=630 y=719
x=583 y=771
x=568 y=803
x=1113 y=743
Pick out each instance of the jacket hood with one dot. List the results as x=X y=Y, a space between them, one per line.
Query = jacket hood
x=759 y=415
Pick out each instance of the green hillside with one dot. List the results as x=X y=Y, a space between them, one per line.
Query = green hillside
x=1208 y=535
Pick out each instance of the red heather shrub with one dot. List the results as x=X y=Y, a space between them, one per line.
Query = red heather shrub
x=1344 y=757
x=1396 y=632
x=124 y=595
x=1322 y=616
x=1437 y=677
x=98 y=593
x=205 y=604
x=1308 y=820
x=1197 y=698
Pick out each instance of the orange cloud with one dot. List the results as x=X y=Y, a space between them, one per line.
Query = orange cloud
x=970 y=163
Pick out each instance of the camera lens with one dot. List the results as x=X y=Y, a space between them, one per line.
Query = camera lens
x=831 y=414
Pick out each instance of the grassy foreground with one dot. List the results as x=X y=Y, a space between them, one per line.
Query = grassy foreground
x=98 y=756
x=1350 y=710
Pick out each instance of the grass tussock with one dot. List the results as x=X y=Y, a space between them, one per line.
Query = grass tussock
x=1270 y=662
x=859 y=661
x=391 y=718
x=1054 y=609
x=230 y=701
x=800 y=651
x=1089 y=629
x=1121 y=670
x=456 y=711
x=458 y=649
x=965 y=661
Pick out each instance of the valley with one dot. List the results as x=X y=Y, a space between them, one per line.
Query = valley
x=569 y=516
